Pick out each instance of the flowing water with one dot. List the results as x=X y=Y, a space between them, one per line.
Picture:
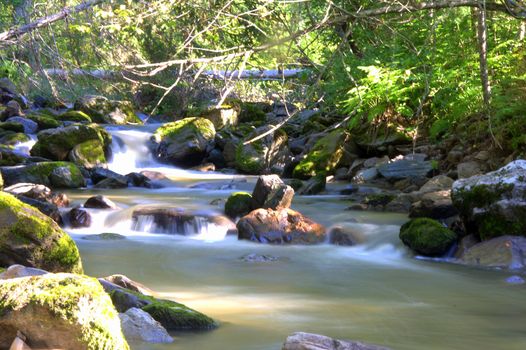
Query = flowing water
x=374 y=292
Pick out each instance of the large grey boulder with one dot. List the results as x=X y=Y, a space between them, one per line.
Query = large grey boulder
x=139 y=325
x=493 y=204
x=311 y=341
x=405 y=168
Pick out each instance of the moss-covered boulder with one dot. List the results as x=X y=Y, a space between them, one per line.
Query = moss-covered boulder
x=44 y=121
x=238 y=204
x=324 y=156
x=10 y=138
x=493 y=204
x=59 y=311
x=223 y=116
x=253 y=112
x=102 y=110
x=427 y=236
x=268 y=154
x=88 y=154
x=74 y=116
x=12 y=126
x=30 y=238
x=184 y=142
x=50 y=174
x=56 y=144
x=10 y=157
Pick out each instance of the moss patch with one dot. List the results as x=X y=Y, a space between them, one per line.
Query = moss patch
x=75 y=116
x=176 y=129
x=427 y=236
x=88 y=154
x=238 y=204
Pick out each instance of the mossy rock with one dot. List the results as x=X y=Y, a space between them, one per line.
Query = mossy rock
x=44 y=121
x=102 y=110
x=238 y=204
x=12 y=126
x=10 y=138
x=51 y=174
x=62 y=311
x=324 y=156
x=88 y=154
x=184 y=142
x=8 y=157
x=253 y=112
x=427 y=237
x=56 y=144
x=75 y=116
x=30 y=238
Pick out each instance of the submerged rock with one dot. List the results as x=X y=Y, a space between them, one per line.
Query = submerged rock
x=63 y=311
x=184 y=142
x=493 y=204
x=427 y=237
x=258 y=258
x=283 y=226
x=310 y=341
x=32 y=239
x=79 y=218
x=106 y=236
x=507 y=252
x=139 y=325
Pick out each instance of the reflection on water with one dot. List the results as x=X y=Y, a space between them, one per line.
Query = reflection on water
x=373 y=292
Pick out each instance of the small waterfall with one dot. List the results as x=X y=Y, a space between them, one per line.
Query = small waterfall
x=25 y=147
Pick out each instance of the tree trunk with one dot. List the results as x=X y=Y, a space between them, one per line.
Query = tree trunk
x=522 y=31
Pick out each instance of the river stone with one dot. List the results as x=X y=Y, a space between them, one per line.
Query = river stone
x=127 y=283
x=99 y=174
x=79 y=218
x=271 y=192
x=223 y=116
x=435 y=205
x=32 y=239
x=106 y=236
x=139 y=180
x=112 y=182
x=59 y=311
x=100 y=202
x=468 y=169
x=346 y=236
x=493 y=204
x=405 y=168
x=310 y=341
x=282 y=226
x=314 y=185
x=437 y=183
x=139 y=325
x=66 y=175
x=13 y=109
x=30 y=127
x=46 y=208
x=16 y=271
x=238 y=204
x=38 y=192
x=365 y=175
x=89 y=154
x=102 y=110
x=427 y=237
x=507 y=252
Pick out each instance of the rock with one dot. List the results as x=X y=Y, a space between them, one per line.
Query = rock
x=506 y=252
x=17 y=271
x=282 y=226
x=89 y=154
x=12 y=126
x=29 y=126
x=435 y=205
x=466 y=243
x=102 y=110
x=238 y=204
x=345 y=236
x=493 y=204
x=56 y=144
x=427 y=237
x=468 y=169
x=263 y=156
x=139 y=180
x=341 y=174
x=75 y=116
x=170 y=220
x=139 y=325
x=106 y=236
x=223 y=116
x=258 y=258
x=204 y=167
x=79 y=218
x=38 y=192
x=171 y=315
x=63 y=311
x=10 y=157
x=112 y=182
x=437 y=183
x=184 y=142
x=67 y=176
x=405 y=168
x=100 y=202
x=314 y=185
x=43 y=121
x=99 y=174
x=125 y=282
x=13 y=109
x=9 y=138
x=324 y=156
x=310 y=341
x=32 y=239
x=271 y=192
x=45 y=208
x=515 y=280
x=365 y=175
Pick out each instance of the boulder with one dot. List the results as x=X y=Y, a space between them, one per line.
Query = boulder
x=238 y=204
x=266 y=155
x=59 y=311
x=310 y=341
x=405 y=168
x=427 y=237
x=314 y=185
x=365 y=175
x=282 y=226
x=184 y=142
x=74 y=116
x=271 y=192
x=224 y=116
x=45 y=208
x=435 y=205
x=98 y=174
x=468 y=169
x=139 y=325
x=28 y=126
x=493 y=204
x=10 y=157
x=79 y=218
x=437 y=183
x=324 y=157
x=125 y=282
x=17 y=271
x=346 y=236
x=100 y=202
x=112 y=183
x=89 y=154
x=13 y=109
x=506 y=252
x=43 y=121
x=102 y=110
x=9 y=138
x=139 y=180
x=38 y=192
x=32 y=239
x=56 y=144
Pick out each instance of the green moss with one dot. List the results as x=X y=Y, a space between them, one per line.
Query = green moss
x=199 y=125
x=12 y=126
x=252 y=112
x=75 y=116
x=10 y=138
x=427 y=236
x=494 y=224
x=238 y=204
x=323 y=157
x=44 y=121
x=77 y=300
x=379 y=199
x=480 y=196
x=88 y=154
x=37 y=239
